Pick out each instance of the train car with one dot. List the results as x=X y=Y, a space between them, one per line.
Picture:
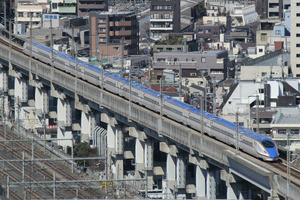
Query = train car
x=225 y=131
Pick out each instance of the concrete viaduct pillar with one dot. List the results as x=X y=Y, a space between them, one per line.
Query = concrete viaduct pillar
x=115 y=147
x=64 y=118
x=235 y=186
x=143 y=156
x=4 y=103
x=20 y=96
x=174 y=184
x=201 y=167
x=88 y=121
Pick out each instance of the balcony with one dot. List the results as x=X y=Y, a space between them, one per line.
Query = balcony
x=163 y=28
x=91 y=6
x=102 y=25
x=71 y=9
x=102 y=35
x=111 y=33
x=70 y=1
x=27 y=19
x=123 y=23
x=161 y=20
x=123 y=33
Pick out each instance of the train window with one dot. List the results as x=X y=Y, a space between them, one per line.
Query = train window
x=268 y=144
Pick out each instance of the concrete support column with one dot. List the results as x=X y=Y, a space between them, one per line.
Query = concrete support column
x=85 y=127
x=64 y=122
x=169 y=183
x=20 y=96
x=4 y=104
x=41 y=100
x=3 y=80
x=115 y=147
x=200 y=182
x=210 y=185
x=139 y=158
x=110 y=149
x=149 y=163
x=119 y=149
x=41 y=104
x=181 y=178
x=232 y=192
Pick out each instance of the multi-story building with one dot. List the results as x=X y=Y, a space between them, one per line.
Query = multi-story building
x=86 y=6
x=164 y=17
x=209 y=32
x=25 y=13
x=64 y=7
x=109 y=29
x=295 y=37
x=214 y=63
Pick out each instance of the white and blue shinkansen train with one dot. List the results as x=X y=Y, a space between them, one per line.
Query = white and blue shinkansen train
x=249 y=141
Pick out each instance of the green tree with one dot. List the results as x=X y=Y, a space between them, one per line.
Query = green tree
x=82 y=150
x=199 y=11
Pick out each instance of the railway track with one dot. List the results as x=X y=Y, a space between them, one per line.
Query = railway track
x=61 y=171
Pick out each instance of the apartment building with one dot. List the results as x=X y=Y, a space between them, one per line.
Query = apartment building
x=214 y=63
x=64 y=7
x=295 y=37
x=107 y=29
x=26 y=13
x=86 y=6
x=164 y=17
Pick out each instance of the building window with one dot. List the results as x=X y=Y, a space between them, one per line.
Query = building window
x=161 y=59
x=203 y=59
x=20 y=14
x=54 y=5
x=166 y=16
x=260 y=50
x=298 y=55
x=209 y=21
x=156 y=16
x=262 y=90
x=298 y=65
x=298 y=4
x=193 y=74
x=102 y=30
x=298 y=14
x=215 y=33
x=297 y=45
x=200 y=31
x=116 y=48
x=102 y=20
x=277 y=32
x=298 y=24
x=298 y=35
x=263 y=37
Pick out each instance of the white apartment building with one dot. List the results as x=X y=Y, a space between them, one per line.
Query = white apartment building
x=295 y=37
x=29 y=11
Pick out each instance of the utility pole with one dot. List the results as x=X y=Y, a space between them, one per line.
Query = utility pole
x=149 y=76
x=257 y=114
x=214 y=96
x=130 y=85
x=73 y=50
x=161 y=97
x=202 y=114
x=122 y=57
x=288 y=167
x=51 y=46
x=237 y=130
x=18 y=113
x=4 y=7
x=180 y=82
